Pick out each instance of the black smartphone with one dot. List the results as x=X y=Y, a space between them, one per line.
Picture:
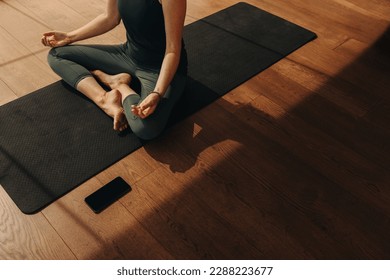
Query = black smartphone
x=108 y=194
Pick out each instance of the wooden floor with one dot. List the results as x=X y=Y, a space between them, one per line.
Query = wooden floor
x=293 y=164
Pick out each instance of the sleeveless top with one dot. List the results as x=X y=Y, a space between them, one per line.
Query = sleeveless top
x=145 y=32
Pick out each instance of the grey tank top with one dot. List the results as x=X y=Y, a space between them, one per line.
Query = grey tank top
x=145 y=32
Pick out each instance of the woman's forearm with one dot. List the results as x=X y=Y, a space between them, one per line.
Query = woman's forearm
x=100 y=25
x=168 y=70
x=174 y=14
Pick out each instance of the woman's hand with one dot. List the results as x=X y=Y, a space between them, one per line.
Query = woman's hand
x=147 y=106
x=55 y=39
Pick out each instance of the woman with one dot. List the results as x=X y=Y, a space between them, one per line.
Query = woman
x=153 y=57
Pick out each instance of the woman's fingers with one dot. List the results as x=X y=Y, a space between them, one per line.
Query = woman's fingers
x=145 y=108
x=46 y=38
x=48 y=41
x=54 y=39
x=136 y=110
x=43 y=41
x=141 y=112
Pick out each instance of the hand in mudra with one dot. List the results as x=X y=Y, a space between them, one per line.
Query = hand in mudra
x=147 y=106
x=55 y=39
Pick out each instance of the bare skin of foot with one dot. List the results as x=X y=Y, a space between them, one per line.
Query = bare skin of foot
x=111 y=104
x=122 y=83
x=112 y=81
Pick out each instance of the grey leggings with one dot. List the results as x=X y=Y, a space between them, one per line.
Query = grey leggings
x=74 y=63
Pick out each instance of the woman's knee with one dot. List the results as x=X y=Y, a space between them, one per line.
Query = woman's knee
x=53 y=58
x=57 y=54
x=146 y=131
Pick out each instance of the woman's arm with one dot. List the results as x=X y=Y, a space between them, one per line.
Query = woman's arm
x=101 y=24
x=174 y=15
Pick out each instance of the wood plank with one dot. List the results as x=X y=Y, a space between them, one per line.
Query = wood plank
x=112 y=234
x=28 y=237
x=376 y=8
x=160 y=223
x=231 y=193
x=8 y=52
x=186 y=226
x=379 y=116
x=322 y=59
x=59 y=16
x=311 y=193
x=201 y=8
x=373 y=56
x=90 y=10
x=321 y=111
x=349 y=97
x=189 y=19
x=54 y=15
x=134 y=167
x=343 y=66
x=360 y=135
x=7 y=94
x=26 y=75
x=242 y=95
x=342 y=19
x=336 y=161
x=12 y=20
x=163 y=216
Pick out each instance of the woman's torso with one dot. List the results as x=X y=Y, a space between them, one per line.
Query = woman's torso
x=144 y=23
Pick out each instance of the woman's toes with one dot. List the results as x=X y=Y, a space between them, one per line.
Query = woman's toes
x=116 y=126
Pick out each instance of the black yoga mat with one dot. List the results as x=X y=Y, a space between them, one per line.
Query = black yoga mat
x=54 y=139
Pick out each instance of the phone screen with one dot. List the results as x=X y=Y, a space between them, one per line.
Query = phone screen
x=108 y=194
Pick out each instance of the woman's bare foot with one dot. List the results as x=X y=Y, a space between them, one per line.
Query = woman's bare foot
x=112 y=81
x=112 y=105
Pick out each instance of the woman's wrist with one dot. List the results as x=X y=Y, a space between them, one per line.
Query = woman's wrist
x=159 y=94
x=70 y=38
